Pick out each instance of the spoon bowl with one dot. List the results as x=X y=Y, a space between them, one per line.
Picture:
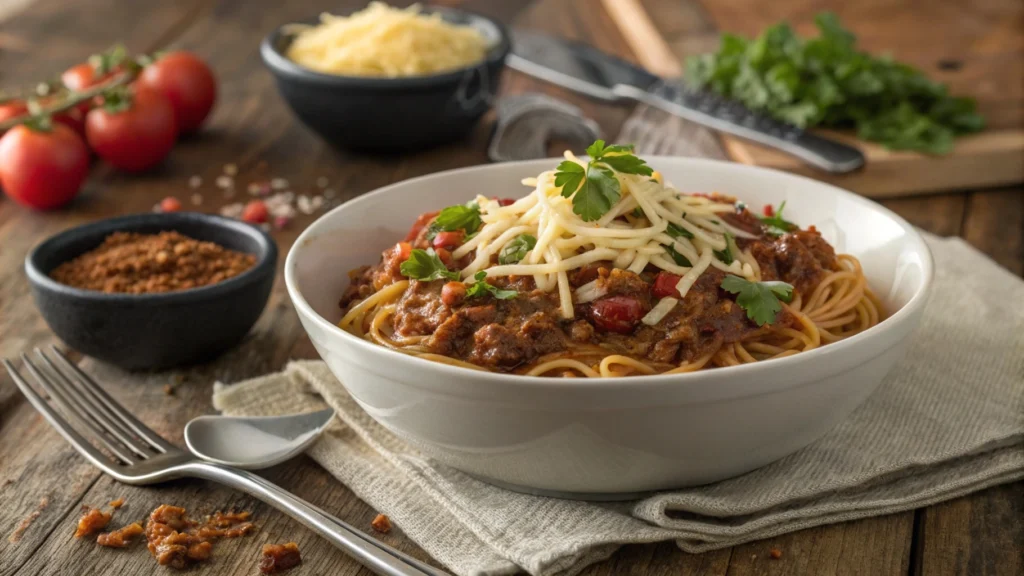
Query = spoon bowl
x=256 y=442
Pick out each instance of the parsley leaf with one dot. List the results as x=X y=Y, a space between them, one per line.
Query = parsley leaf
x=761 y=300
x=594 y=189
x=425 y=265
x=678 y=231
x=725 y=255
x=459 y=217
x=480 y=287
x=516 y=249
x=677 y=257
x=826 y=81
x=775 y=224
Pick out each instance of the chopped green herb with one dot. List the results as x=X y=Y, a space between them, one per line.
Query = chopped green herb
x=425 y=265
x=725 y=255
x=516 y=249
x=459 y=217
x=678 y=231
x=776 y=225
x=761 y=300
x=677 y=257
x=826 y=81
x=480 y=287
x=594 y=189
x=637 y=212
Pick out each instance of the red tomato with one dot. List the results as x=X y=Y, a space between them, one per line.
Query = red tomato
x=617 y=313
x=419 y=225
x=170 y=204
x=445 y=257
x=12 y=109
x=42 y=170
x=255 y=212
x=665 y=285
x=449 y=239
x=187 y=82
x=505 y=201
x=82 y=76
x=404 y=251
x=73 y=118
x=136 y=138
x=452 y=293
x=769 y=211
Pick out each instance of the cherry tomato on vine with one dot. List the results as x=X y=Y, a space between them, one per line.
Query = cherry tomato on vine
x=42 y=168
x=132 y=130
x=187 y=82
x=82 y=76
x=12 y=109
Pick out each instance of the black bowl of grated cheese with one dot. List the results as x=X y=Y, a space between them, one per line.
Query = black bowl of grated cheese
x=391 y=113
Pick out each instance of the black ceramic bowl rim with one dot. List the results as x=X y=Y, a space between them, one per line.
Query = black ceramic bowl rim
x=266 y=259
x=280 y=63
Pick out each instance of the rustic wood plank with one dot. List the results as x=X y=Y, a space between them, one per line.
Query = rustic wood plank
x=942 y=214
x=994 y=224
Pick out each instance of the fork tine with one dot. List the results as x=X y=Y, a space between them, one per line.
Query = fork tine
x=71 y=409
x=88 y=405
x=84 y=447
x=143 y=431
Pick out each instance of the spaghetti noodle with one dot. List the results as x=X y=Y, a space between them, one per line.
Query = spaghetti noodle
x=661 y=282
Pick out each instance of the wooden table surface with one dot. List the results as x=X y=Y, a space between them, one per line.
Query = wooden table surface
x=43 y=482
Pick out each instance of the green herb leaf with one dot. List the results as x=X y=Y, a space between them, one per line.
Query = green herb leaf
x=480 y=287
x=677 y=257
x=775 y=224
x=761 y=300
x=725 y=255
x=425 y=265
x=627 y=164
x=826 y=81
x=516 y=249
x=678 y=231
x=594 y=189
x=459 y=217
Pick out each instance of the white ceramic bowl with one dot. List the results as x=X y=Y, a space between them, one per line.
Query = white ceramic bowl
x=593 y=437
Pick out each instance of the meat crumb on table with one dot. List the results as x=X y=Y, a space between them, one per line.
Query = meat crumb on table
x=92 y=522
x=120 y=538
x=279 y=557
x=381 y=524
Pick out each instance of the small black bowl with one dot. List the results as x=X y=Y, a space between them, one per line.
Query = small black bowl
x=391 y=114
x=154 y=331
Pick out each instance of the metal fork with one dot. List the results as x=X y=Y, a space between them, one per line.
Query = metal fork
x=125 y=448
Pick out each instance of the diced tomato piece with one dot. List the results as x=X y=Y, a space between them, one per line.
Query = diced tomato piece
x=617 y=313
x=769 y=210
x=665 y=285
x=404 y=251
x=420 y=224
x=170 y=204
x=449 y=239
x=445 y=256
x=506 y=201
x=453 y=293
x=255 y=212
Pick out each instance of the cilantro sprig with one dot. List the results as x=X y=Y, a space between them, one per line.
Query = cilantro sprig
x=775 y=224
x=594 y=189
x=826 y=81
x=761 y=300
x=480 y=287
x=516 y=249
x=677 y=257
x=678 y=231
x=459 y=217
x=425 y=265
x=725 y=255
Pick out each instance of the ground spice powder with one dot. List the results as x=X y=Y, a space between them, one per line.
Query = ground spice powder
x=134 y=263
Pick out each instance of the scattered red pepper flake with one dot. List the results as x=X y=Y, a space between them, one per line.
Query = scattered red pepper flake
x=775 y=553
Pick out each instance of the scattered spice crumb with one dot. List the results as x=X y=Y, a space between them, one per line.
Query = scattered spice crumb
x=92 y=522
x=279 y=557
x=197 y=199
x=195 y=182
x=27 y=521
x=225 y=182
x=8 y=482
x=321 y=182
x=280 y=222
x=120 y=538
x=775 y=553
x=329 y=193
x=231 y=169
x=169 y=204
x=381 y=524
x=168 y=390
x=115 y=504
x=278 y=183
x=753 y=556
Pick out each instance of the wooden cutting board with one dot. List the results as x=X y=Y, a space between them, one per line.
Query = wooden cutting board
x=977 y=48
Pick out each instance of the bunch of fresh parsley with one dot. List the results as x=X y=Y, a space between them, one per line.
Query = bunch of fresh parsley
x=594 y=189
x=826 y=81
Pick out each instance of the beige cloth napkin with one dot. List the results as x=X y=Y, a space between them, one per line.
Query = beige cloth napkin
x=949 y=420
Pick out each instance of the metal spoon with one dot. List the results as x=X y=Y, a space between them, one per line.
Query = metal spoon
x=254 y=443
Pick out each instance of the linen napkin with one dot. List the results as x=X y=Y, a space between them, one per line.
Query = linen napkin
x=949 y=420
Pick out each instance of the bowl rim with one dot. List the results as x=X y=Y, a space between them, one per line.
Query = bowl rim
x=279 y=63
x=266 y=259
x=779 y=368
